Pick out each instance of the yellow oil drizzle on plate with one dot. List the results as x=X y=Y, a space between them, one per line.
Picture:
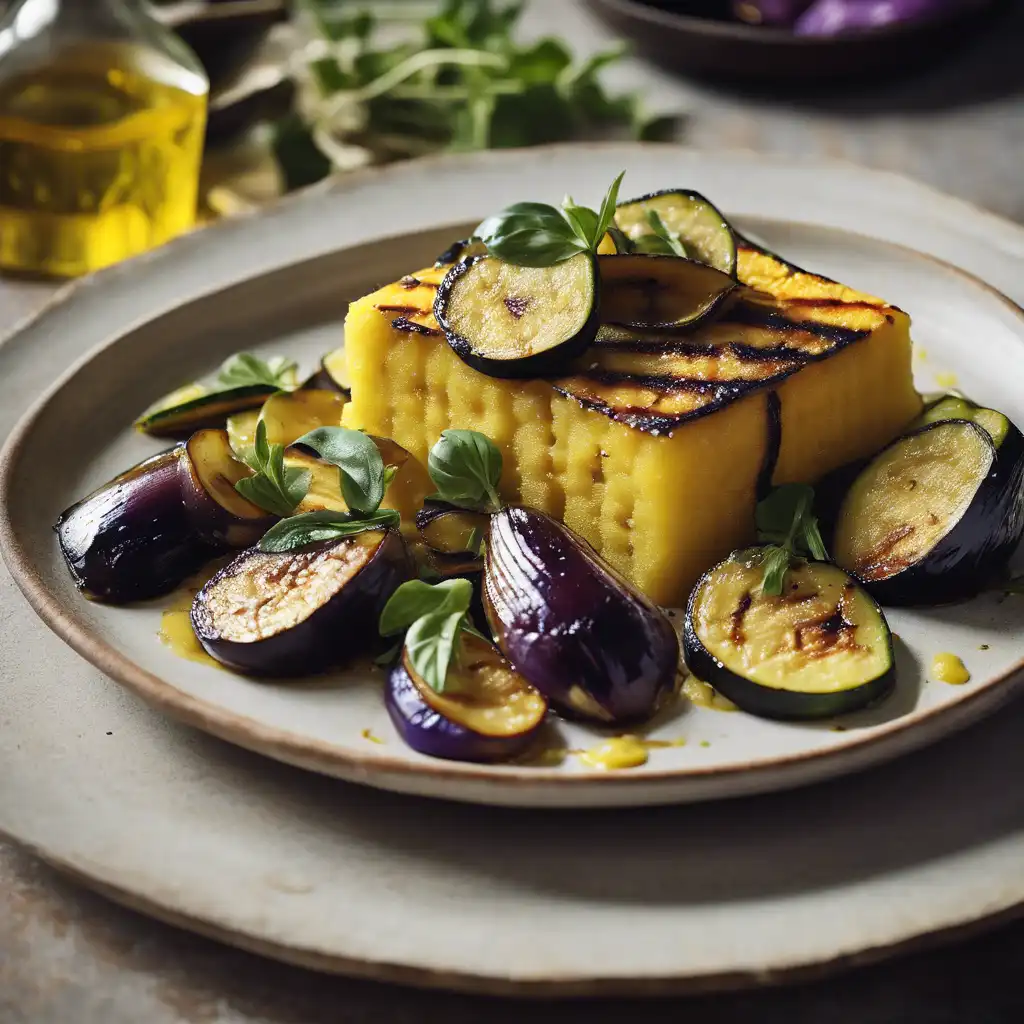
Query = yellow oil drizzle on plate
x=619 y=752
x=368 y=734
x=946 y=380
x=703 y=695
x=948 y=668
x=176 y=631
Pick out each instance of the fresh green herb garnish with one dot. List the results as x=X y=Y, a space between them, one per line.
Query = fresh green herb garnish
x=787 y=524
x=538 y=235
x=310 y=527
x=386 y=82
x=466 y=468
x=275 y=487
x=433 y=617
x=364 y=477
x=662 y=241
x=246 y=370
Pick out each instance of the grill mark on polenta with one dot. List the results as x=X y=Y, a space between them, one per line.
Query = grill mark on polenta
x=773 y=445
x=404 y=310
x=401 y=323
x=750 y=315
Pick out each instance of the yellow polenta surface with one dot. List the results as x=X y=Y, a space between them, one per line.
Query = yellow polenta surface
x=653 y=450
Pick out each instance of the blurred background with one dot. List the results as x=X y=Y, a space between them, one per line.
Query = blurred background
x=103 y=152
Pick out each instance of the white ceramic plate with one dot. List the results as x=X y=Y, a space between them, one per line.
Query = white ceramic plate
x=341 y=878
x=81 y=432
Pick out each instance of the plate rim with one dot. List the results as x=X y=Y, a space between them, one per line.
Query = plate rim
x=885 y=741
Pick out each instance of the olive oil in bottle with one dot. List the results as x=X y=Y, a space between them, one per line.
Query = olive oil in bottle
x=101 y=135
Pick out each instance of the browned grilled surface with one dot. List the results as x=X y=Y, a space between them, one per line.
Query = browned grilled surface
x=654 y=381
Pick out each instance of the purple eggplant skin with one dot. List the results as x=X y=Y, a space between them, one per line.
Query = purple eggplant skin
x=132 y=539
x=429 y=732
x=570 y=625
x=218 y=513
x=975 y=551
x=343 y=626
x=778 y=13
x=836 y=17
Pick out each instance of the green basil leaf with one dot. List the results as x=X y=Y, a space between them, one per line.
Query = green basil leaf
x=775 y=564
x=582 y=220
x=536 y=247
x=670 y=239
x=273 y=487
x=415 y=598
x=311 y=527
x=606 y=215
x=465 y=466
x=245 y=370
x=360 y=462
x=778 y=515
x=492 y=225
x=812 y=538
x=265 y=494
x=430 y=644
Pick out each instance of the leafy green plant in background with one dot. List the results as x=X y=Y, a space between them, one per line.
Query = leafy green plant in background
x=387 y=81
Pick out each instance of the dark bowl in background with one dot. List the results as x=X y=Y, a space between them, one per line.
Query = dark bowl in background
x=727 y=49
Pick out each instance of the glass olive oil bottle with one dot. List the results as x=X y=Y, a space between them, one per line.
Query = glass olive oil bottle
x=102 y=116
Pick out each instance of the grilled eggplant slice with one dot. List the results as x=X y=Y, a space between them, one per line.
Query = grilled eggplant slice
x=450 y=530
x=290 y=414
x=697 y=221
x=487 y=712
x=935 y=515
x=511 y=321
x=132 y=539
x=217 y=512
x=334 y=373
x=571 y=625
x=302 y=611
x=956 y=407
x=819 y=649
x=666 y=293
x=195 y=406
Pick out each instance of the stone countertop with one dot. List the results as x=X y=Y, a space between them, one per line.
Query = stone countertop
x=69 y=957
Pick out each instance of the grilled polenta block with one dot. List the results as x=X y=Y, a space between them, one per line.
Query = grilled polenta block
x=654 y=448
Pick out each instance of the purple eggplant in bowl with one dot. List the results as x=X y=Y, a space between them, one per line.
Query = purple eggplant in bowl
x=837 y=17
x=132 y=539
x=571 y=625
x=487 y=712
x=301 y=611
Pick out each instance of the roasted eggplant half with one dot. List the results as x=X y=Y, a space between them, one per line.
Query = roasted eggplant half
x=651 y=292
x=935 y=515
x=290 y=414
x=571 y=625
x=450 y=530
x=195 y=406
x=132 y=539
x=696 y=221
x=218 y=513
x=460 y=250
x=487 y=712
x=301 y=611
x=510 y=321
x=333 y=373
x=820 y=648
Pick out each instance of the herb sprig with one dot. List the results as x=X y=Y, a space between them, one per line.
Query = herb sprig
x=662 y=240
x=787 y=524
x=246 y=370
x=539 y=235
x=363 y=480
x=465 y=467
x=432 y=616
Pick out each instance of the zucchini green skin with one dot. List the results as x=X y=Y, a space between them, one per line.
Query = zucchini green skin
x=771 y=702
x=729 y=265
x=967 y=559
x=208 y=410
x=551 y=361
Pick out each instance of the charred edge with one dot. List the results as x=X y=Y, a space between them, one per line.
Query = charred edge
x=452 y=253
x=404 y=310
x=736 y=634
x=773 y=445
x=666 y=383
x=657 y=346
x=401 y=323
x=774 y=354
x=750 y=316
x=877 y=565
x=409 y=282
x=742 y=242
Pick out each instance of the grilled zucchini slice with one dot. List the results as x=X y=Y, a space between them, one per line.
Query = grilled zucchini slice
x=510 y=321
x=821 y=648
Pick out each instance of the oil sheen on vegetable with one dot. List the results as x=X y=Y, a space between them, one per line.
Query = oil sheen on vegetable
x=99 y=159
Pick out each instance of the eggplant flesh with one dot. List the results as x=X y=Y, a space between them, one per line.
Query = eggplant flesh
x=649 y=291
x=821 y=648
x=450 y=530
x=487 y=711
x=935 y=515
x=571 y=625
x=132 y=539
x=510 y=321
x=701 y=228
x=288 y=415
x=956 y=407
x=218 y=513
x=302 y=611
